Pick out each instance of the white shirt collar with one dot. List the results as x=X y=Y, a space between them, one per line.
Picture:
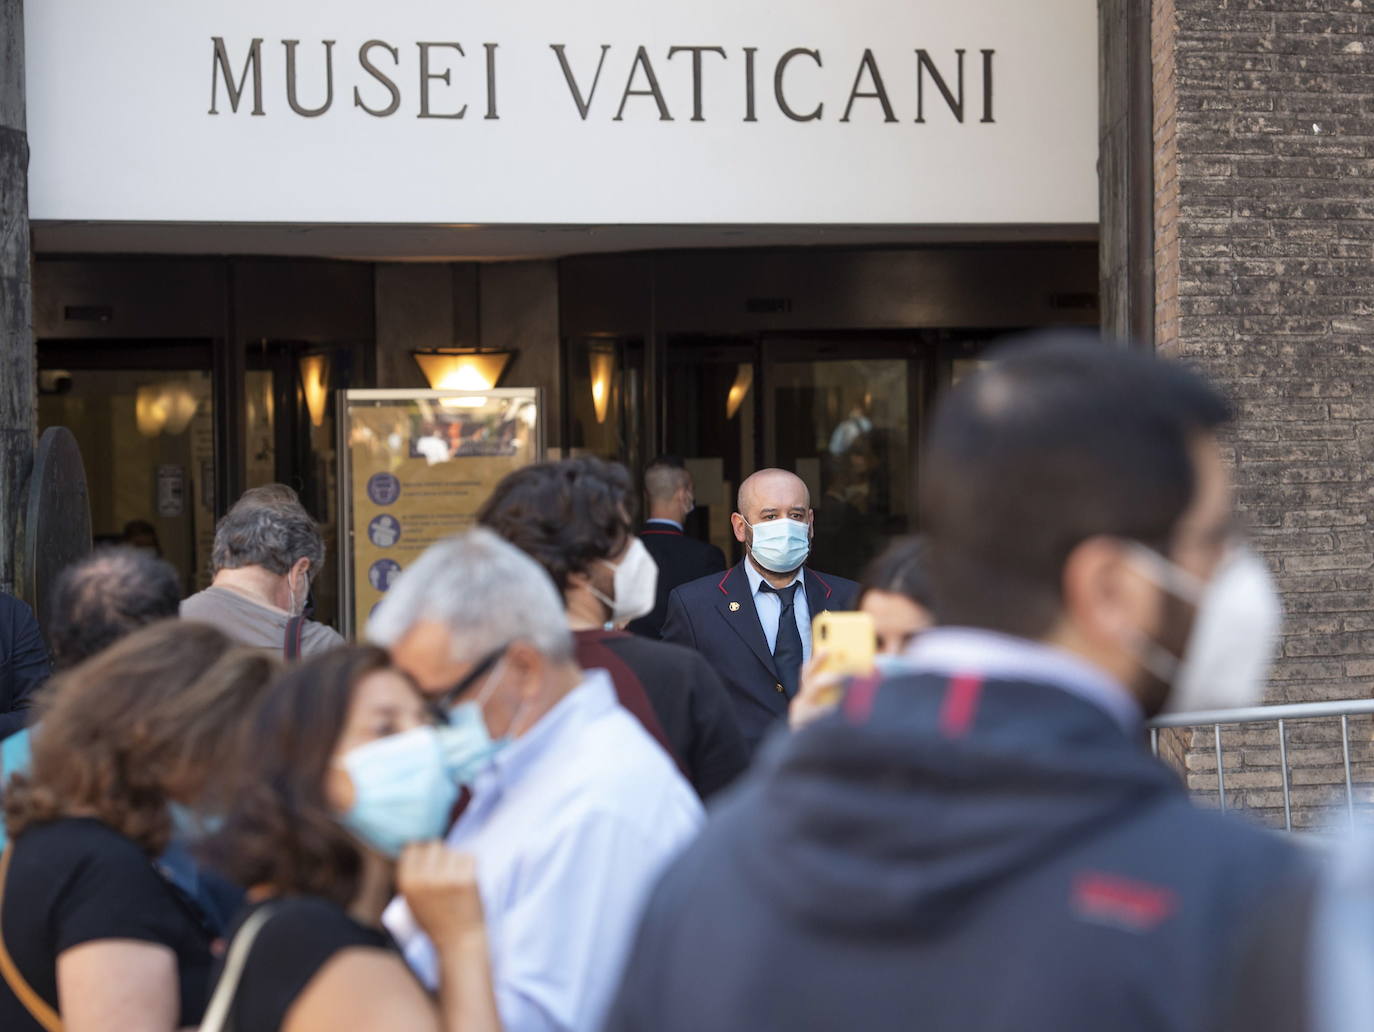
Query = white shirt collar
x=593 y=695
x=756 y=578
x=955 y=650
x=664 y=519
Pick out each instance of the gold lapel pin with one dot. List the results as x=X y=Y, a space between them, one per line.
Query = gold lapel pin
x=734 y=607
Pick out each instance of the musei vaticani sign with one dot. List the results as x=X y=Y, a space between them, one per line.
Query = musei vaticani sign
x=564 y=111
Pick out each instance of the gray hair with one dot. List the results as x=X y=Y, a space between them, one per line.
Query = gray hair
x=274 y=536
x=485 y=590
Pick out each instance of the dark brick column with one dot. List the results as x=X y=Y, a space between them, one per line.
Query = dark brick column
x=18 y=379
x=1264 y=252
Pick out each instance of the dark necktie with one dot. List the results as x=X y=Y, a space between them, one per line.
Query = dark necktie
x=787 y=648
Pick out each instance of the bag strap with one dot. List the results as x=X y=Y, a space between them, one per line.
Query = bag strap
x=217 y=1012
x=295 y=630
x=33 y=1003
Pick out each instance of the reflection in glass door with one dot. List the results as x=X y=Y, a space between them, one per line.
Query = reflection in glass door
x=147 y=439
x=842 y=411
x=844 y=425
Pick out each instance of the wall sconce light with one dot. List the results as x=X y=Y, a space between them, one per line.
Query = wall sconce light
x=315 y=385
x=463 y=369
x=164 y=408
x=601 y=359
x=744 y=379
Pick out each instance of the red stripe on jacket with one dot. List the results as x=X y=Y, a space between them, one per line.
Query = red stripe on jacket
x=960 y=705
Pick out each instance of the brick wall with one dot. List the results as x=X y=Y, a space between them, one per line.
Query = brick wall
x=1264 y=136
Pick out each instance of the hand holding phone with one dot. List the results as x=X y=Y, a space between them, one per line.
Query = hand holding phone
x=848 y=641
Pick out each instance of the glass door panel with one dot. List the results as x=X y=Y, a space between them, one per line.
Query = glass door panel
x=711 y=421
x=148 y=444
x=289 y=438
x=843 y=424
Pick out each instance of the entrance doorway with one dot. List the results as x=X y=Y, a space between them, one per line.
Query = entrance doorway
x=845 y=412
x=153 y=438
x=143 y=415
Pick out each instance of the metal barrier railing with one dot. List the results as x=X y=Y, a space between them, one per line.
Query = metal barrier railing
x=1268 y=715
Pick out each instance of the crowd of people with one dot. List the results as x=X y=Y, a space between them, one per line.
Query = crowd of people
x=583 y=776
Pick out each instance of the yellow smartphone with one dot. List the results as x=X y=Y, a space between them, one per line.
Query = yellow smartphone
x=849 y=641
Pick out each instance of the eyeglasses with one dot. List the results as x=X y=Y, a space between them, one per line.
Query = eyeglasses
x=439 y=707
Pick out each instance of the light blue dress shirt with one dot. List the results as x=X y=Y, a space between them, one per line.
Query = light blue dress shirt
x=570 y=826
x=769 y=608
x=666 y=522
x=965 y=650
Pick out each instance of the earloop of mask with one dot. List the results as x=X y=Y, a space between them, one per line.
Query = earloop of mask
x=1154 y=657
x=1168 y=575
x=486 y=694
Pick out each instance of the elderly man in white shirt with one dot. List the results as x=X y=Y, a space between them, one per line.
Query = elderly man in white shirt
x=574 y=808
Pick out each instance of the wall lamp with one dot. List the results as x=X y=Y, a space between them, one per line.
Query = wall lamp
x=315 y=385
x=463 y=369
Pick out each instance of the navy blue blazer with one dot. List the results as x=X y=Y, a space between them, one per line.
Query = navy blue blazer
x=716 y=616
x=681 y=559
x=24 y=662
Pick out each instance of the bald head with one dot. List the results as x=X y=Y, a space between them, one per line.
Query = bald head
x=773 y=492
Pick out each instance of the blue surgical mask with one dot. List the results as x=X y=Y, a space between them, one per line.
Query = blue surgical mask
x=780 y=545
x=402 y=790
x=464 y=739
x=190 y=826
x=892 y=666
x=466 y=744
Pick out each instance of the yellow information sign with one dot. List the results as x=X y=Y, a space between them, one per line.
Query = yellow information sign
x=415 y=467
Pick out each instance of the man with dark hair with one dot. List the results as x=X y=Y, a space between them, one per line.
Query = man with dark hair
x=985 y=841
x=573 y=518
x=680 y=558
x=105 y=596
x=754 y=624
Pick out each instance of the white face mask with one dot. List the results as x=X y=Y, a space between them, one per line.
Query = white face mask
x=636 y=585
x=1232 y=642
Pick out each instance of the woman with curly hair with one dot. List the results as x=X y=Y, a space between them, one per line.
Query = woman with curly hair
x=344 y=790
x=94 y=936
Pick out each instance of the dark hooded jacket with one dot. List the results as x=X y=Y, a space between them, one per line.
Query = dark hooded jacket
x=950 y=854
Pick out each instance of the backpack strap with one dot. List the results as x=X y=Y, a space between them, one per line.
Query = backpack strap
x=33 y=1003
x=295 y=631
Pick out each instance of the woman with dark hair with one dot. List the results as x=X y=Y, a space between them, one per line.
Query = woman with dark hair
x=343 y=791
x=94 y=936
x=895 y=593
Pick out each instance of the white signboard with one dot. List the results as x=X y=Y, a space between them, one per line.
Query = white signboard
x=564 y=111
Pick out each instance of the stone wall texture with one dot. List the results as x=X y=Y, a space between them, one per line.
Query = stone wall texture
x=1264 y=239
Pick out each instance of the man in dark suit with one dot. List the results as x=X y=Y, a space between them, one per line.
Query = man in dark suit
x=680 y=558
x=754 y=623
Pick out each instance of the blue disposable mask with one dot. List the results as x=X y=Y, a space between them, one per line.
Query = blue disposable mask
x=467 y=745
x=464 y=739
x=191 y=826
x=780 y=546
x=892 y=666
x=402 y=790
